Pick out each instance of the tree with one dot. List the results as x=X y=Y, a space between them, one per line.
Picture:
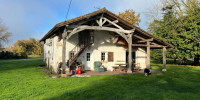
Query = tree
x=192 y=25
x=27 y=47
x=12 y=49
x=165 y=29
x=180 y=26
x=129 y=16
x=38 y=48
x=4 y=34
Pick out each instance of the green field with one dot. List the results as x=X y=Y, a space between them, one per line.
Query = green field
x=24 y=79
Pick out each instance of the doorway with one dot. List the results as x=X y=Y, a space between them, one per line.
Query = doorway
x=133 y=56
x=88 y=61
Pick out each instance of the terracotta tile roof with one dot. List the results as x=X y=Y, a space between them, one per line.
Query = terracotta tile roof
x=104 y=10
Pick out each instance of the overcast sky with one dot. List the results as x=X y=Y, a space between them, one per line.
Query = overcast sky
x=34 y=18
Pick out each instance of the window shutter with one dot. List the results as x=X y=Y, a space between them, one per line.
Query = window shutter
x=110 y=57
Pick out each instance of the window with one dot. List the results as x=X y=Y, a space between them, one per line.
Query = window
x=88 y=56
x=103 y=56
x=110 y=57
x=71 y=55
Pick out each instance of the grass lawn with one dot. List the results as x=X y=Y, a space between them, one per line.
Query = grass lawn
x=24 y=79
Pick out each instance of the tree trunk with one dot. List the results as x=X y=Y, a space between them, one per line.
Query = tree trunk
x=196 y=60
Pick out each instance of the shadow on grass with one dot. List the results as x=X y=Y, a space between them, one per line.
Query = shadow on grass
x=13 y=64
x=183 y=84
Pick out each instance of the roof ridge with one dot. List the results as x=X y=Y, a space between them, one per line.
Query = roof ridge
x=85 y=15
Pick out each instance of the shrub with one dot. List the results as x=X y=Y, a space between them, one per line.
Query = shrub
x=11 y=55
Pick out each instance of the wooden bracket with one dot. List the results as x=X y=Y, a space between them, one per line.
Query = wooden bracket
x=86 y=27
x=115 y=21
x=112 y=23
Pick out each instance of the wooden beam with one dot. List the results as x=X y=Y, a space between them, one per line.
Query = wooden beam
x=104 y=21
x=83 y=22
x=154 y=43
x=101 y=21
x=139 y=45
x=69 y=31
x=130 y=61
x=64 y=51
x=146 y=40
x=148 y=55
x=86 y=27
x=156 y=46
x=98 y=22
x=115 y=21
x=139 y=37
x=114 y=24
x=144 y=45
x=115 y=40
x=164 y=59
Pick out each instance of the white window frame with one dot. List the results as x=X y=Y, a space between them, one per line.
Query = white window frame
x=71 y=55
x=103 y=56
x=88 y=58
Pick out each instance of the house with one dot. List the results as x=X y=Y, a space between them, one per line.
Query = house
x=100 y=36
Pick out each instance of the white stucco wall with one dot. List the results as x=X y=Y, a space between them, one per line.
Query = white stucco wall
x=103 y=42
x=141 y=57
x=54 y=51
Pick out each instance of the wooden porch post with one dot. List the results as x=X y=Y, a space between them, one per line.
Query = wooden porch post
x=148 y=55
x=164 y=59
x=64 y=51
x=130 y=62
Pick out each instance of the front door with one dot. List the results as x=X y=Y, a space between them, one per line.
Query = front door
x=88 y=61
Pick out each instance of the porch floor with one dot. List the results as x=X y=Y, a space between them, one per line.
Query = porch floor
x=92 y=73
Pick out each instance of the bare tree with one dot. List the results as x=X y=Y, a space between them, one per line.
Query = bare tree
x=4 y=34
x=154 y=13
